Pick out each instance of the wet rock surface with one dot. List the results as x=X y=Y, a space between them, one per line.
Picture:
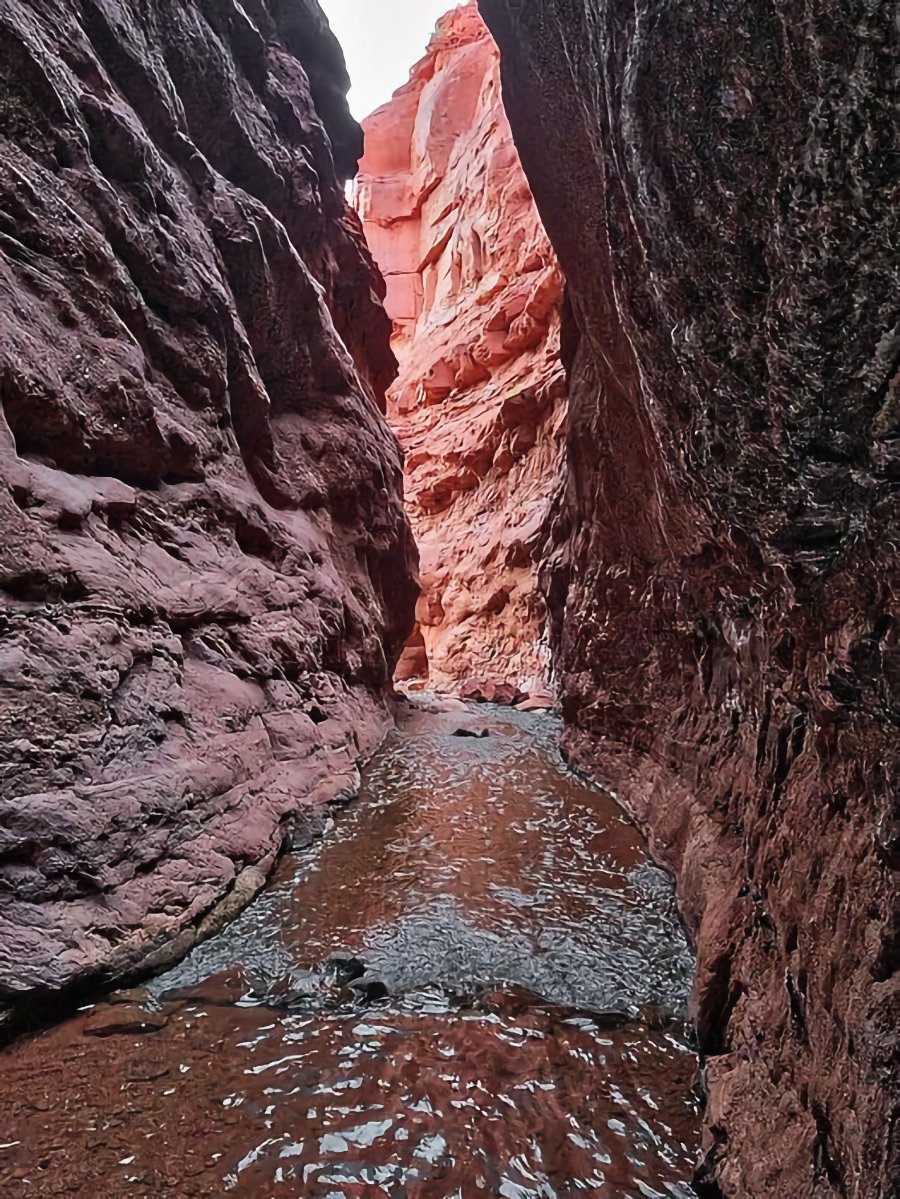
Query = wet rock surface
x=205 y=570
x=473 y=985
x=721 y=568
x=474 y=291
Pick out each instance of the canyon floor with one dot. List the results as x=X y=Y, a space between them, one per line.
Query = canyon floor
x=472 y=985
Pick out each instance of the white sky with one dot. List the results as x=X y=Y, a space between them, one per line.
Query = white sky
x=382 y=39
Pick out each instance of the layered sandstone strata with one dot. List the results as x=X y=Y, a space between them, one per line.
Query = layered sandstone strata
x=205 y=569
x=723 y=567
x=474 y=291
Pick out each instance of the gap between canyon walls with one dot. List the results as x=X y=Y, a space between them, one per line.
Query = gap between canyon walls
x=474 y=291
x=723 y=562
x=206 y=575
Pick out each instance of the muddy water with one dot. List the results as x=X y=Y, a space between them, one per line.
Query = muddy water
x=472 y=986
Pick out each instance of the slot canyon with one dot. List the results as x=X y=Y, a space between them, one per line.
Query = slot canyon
x=449 y=672
x=475 y=294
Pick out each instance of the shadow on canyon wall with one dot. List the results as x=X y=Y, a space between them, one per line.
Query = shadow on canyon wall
x=721 y=570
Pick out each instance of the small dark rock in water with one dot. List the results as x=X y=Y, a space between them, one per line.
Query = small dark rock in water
x=345 y=969
x=304 y=831
x=369 y=988
x=471 y=733
x=122 y=1020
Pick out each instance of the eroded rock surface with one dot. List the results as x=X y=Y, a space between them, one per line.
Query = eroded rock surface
x=474 y=291
x=205 y=569
x=723 y=565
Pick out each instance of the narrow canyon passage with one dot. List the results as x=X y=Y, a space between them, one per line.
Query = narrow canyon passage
x=567 y=381
x=473 y=985
x=474 y=292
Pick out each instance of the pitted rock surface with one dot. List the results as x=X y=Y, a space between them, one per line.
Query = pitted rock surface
x=722 y=566
x=475 y=291
x=205 y=570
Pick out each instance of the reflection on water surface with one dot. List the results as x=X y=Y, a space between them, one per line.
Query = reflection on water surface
x=471 y=986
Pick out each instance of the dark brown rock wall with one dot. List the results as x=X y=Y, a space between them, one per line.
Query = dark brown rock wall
x=722 y=569
x=205 y=570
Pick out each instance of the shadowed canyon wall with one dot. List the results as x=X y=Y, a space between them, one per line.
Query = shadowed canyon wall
x=205 y=569
x=474 y=291
x=722 y=566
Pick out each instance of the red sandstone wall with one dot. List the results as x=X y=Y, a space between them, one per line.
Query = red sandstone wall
x=205 y=569
x=474 y=291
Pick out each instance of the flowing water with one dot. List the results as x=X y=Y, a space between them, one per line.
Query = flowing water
x=472 y=986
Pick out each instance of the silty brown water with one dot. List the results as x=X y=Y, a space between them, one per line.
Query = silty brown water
x=471 y=986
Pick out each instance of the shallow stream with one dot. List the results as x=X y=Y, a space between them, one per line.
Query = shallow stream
x=473 y=985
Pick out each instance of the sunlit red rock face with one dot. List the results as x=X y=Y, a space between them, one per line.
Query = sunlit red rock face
x=724 y=563
x=474 y=291
x=205 y=569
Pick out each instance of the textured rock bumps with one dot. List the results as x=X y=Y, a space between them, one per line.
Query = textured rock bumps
x=474 y=291
x=205 y=570
x=722 y=573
